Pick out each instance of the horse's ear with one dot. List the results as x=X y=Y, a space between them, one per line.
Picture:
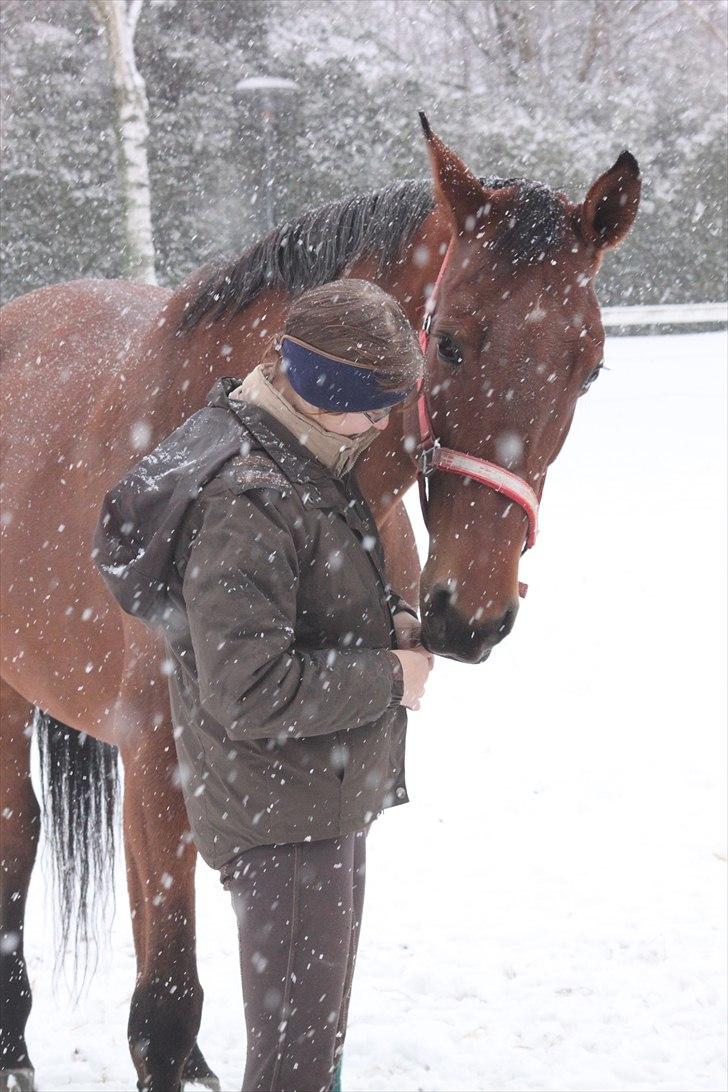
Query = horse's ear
x=610 y=206
x=456 y=187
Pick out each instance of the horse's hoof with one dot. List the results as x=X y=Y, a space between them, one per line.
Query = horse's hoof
x=189 y=1084
x=145 y=1087
x=197 y=1073
x=17 y=1080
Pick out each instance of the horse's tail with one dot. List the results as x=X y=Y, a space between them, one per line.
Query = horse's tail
x=79 y=790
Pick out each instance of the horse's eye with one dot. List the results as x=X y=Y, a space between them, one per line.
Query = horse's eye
x=590 y=379
x=448 y=350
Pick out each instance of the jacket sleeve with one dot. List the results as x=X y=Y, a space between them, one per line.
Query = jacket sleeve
x=240 y=590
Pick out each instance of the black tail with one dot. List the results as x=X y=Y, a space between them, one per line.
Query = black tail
x=79 y=788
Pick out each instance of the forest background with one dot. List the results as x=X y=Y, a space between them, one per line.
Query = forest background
x=552 y=90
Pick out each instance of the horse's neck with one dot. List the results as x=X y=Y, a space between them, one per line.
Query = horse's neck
x=387 y=468
x=413 y=275
x=174 y=372
x=185 y=366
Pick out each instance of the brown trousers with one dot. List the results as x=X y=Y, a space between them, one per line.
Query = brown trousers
x=299 y=908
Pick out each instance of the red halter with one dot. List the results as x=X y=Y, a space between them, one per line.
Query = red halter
x=431 y=455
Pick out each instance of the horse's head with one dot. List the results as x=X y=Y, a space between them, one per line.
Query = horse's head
x=516 y=338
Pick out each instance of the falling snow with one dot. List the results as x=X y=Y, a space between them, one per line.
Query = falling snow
x=548 y=911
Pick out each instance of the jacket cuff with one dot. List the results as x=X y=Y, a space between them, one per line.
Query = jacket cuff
x=403 y=606
x=398 y=603
x=397 y=680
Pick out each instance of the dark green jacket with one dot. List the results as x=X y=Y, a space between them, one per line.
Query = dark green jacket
x=268 y=579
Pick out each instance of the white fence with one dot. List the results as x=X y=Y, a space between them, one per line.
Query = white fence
x=667 y=314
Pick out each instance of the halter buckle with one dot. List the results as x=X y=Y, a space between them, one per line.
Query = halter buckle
x=427 y=458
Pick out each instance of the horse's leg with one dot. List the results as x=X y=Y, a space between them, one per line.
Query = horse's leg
x=20 y=828
x=167 y=1001
x=195 y=1068
x=400 y=551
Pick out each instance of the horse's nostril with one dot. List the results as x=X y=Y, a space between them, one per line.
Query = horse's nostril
x=506 y=622
x=440 y=599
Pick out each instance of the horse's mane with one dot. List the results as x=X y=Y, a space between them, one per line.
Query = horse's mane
x=318 y=246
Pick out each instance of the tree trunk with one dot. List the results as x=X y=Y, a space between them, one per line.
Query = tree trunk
x=118 y=20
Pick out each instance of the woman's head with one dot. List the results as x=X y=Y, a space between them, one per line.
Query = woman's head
x=346 y=350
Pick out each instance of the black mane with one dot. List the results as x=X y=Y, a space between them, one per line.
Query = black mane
x=319 y=245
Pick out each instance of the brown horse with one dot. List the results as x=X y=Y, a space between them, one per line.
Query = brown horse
x=95 y=373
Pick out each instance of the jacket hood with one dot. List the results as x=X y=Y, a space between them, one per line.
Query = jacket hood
x=136 y=534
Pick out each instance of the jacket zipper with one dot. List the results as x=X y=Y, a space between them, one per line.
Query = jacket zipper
x=373 y=564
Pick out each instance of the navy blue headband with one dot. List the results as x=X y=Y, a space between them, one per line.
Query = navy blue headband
x=331 y=383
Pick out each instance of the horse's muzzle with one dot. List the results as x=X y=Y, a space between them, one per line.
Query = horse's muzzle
x=446 y=632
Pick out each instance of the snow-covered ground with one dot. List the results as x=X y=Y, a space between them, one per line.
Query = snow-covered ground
x=548 y=911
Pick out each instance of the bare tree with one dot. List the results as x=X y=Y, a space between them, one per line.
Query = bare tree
x=118 y=20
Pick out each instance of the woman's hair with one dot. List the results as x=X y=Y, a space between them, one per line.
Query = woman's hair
x=360 y=323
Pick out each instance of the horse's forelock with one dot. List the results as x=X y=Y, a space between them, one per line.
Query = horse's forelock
x=539 y=223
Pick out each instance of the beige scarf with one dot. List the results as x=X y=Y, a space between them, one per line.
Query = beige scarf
x=338 y=453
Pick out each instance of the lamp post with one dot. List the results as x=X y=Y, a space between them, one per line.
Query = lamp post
x=267 y=88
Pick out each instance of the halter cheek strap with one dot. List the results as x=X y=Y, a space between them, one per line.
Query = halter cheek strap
x=431 y=455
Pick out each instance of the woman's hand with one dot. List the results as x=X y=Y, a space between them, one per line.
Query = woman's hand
x=417 y=662
x=408 y=629
x=416 y=667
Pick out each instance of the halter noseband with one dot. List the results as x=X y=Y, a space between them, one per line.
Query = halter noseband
x=431 y=455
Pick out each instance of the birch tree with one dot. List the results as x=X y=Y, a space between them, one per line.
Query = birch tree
x=118 y=20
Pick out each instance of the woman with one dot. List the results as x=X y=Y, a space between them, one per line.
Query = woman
x=291 y=659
